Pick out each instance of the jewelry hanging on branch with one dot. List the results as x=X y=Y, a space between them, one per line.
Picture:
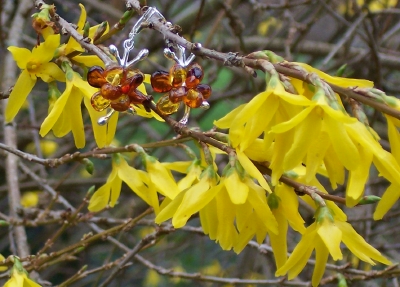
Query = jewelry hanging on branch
x=118 y=83
x=181 y=83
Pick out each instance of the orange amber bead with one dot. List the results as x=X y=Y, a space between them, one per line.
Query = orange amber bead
x=95 y=77
x=121 y=104
x=134 y=79
x=178 y=74
x=176 y=94
x=110 y=92
x=193 y=98
x=165 y=106
x=194 y=75
x=98 y=102
x=137 y=97
x=205 y=90
x=160 y=82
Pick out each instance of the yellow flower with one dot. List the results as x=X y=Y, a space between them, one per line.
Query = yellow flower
x=284 y=206
x=30 y=198
x=138 y=181
x=72 y=46
x=160 y=177
x=192 y=169
x=33 y=64
x=325 y=236
x=19 y=277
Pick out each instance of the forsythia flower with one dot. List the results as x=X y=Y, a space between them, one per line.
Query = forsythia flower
x=2 y=268
x=138 y=181
x=19 y=277
x=325 y=236
x=65 y=114
x=33 y=65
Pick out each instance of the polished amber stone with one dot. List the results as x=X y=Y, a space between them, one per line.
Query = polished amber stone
x=98 y=102
x=176 y=94
x=205 y=90
x=110 y=92
x=121 y=104
x=165 y=106
x=114 y=75
x=134 y=78
x=193 y=98
x=178 y=74
x=160 y=82
x=95 y=77
x=194 y=75
x=137 y=97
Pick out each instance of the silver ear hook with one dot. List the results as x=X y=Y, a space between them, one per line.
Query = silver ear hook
x=104 y=120
x=178 y=54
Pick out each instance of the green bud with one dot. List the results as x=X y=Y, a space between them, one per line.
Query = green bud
x=322 y=214
x=341 y=280
x=4 y=223
x=369 y=199
x=89 y=166
x=90 y=191
x=86 y=28
x=273 y=58
x=100 y=30
x=126 y=17
x=273 y=201
x=116 y=157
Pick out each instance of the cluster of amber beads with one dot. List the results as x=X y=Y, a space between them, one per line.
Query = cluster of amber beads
x=118 y=88
x=181 y=84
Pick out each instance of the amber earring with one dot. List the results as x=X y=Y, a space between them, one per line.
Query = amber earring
x=180 y=84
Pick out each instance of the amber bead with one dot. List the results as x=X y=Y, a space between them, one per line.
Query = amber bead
x=134 y=79
x=165 y=106
x=114 y=75
x=178 y=74
x=194 y=75
x=137 y=97
x=121 y=104
x=205 y=90
x=110 y=92
x=176 y=94
x=160 y=82
x=193 y=98
x=98 y=102
x=95 y=77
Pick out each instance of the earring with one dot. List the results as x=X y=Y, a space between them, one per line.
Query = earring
x=118 y=83
x=181 y=84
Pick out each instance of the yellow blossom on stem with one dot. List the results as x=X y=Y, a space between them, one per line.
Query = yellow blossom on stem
x=138 y=181
x=65 y=115
x=34 y=64
x=19 y=276
x=325 y=236
x=2 y=268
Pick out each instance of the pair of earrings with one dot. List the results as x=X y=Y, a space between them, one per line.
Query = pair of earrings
x=118 y=84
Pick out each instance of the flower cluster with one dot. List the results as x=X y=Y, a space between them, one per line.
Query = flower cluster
x=181 y=84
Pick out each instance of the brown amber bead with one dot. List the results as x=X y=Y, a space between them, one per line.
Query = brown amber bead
x=121 y=104
x=165 y=106
x=178 y=74
x=193 y=98
x=205 y=90
x=194 y=75
x=95 y=77
x=176 y=94
x=160 y=82
x=110 y=92
x=134 y=79
x=136 y=97
x=98 y=102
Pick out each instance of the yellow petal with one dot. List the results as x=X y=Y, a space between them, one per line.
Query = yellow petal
x=388 y=199
x=250 y=168
x=344 y=147
x=278 y=241
x=246 y=233
x=115 y=190
x=394 y=138
x=226 y=121
x=100 y=198
x=339 y=81
x=20 y=92
x=321 y=258
x=290 y=124
x=20 y=55
x=179 y=166
x=357 y=178
x=195 y=198
x=290 y=207
x=131 y=177
x=99 y=131
x=226 y=233
x=45 y=51
x=334 y=167
x=331 y=235
x=209 y=219
x=111 y=128
x=82 y=18
x=50 y=72
x=359 y=247
x=73 y=107
x=168 y=210
x=89 y=60
x=315 y=154
x=161 y=178
x=236 y=188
